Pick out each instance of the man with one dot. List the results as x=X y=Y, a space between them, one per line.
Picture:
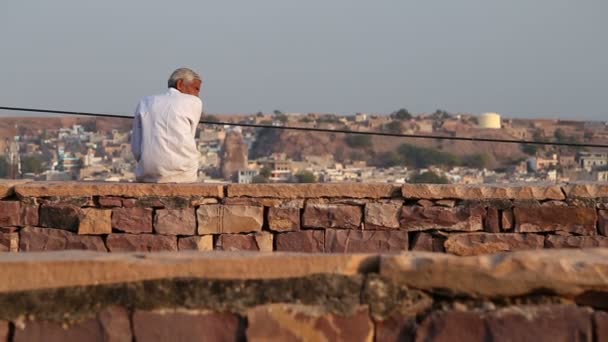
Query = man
x=164 y=128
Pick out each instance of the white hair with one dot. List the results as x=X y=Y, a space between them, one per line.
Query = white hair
x=185 y=74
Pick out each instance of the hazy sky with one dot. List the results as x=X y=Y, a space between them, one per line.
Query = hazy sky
x=522 y=58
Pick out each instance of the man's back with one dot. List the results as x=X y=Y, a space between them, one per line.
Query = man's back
x=163 y=142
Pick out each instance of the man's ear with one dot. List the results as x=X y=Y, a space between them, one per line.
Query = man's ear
x=179 y=85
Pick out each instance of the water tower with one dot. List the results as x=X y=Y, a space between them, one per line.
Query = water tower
x=489 y=120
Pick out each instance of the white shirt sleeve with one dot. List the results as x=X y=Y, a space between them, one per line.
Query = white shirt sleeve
x=136 y=134
x=197 y=110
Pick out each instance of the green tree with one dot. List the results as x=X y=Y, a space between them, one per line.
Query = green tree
x=358 y=140
x=305 y=177
x=32 y=164
x=529 y=149
x=265 y=172
x=401 y=114
x=393 y=127
x=258 y=179
x=477 y=161
x=560 y=135
x=429 y=178
x=211 y=118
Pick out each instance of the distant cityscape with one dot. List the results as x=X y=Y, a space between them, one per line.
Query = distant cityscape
x=247 y=155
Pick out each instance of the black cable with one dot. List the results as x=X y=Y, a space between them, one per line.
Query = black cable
x=323 y=130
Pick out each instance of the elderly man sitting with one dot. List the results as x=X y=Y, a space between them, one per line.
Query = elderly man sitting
x=164 y=128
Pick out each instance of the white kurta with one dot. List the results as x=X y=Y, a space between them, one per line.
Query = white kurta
x=162 y=141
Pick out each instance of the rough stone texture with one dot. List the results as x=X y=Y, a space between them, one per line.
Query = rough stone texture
x=135 y=190
x=486 y=243
x=29 y=215
x=245 y=242
x=524 y=191
x=10 y=213
x=4 y=331
x=452 y=326
x=9 y=242
x=217 y=219
x=196 y=243
x=332 y=216
x=586 y=190
x=265 y=202
x=382 y=215
x=7 y=186
x=602 y=226
x=426 y=242
x=346 y=190
x=175 y=222
x=182 y=325
x=109 y=201
x=492 y=220
x=546 y=219
x=284 y=219
x=456 y=219
x=112 y=325
x=396 y=329
x=551 y=323
x=283 y=322
x=446 y=203
x=508 y=220
x=132 y=220
x=358 y=241
x=600 y=325
x=95 y=222
x=308 y=241
x=425 y=203
x=46 y=239
x=141 y=243
x=563 y=272
x=60 y=216
x=555 y=241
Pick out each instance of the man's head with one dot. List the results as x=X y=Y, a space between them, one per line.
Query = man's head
x=186 y=81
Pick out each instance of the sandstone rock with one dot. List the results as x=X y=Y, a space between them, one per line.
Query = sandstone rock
x=132 y=220
x=7 y=186
x=265 y=241
x=332 y=216
x=284 y=322
x=284 y=219
x=524 y=191
x=546 y=219
x=43 y=239
x=382 y=215
x=10 y=213
x=135 y=190
x=357 y=241
x=216 y=219
x=554 y=241
x=112 y=325
x=29 y=215
x=394 y=329
x=245 y=242
x=453 y=326
x=196 y=243
x=567 y=272
x=4 y=331
x=196 y=201
x=175 y=222
x=95 y=222
x=485 y=243
x=264 y=202
x=554 y=204
x=309 y=241
x=492 y=221
x=183 y=325
x=602 y=226
x=550 y=323
x=600 y=325
x=335 y=190
x=425 y=203
x=425 y=242
x=446 y=203
x=141 y=243
x=9 y=242
x=110 y=201
x=456 y=219
x=586 y=190
x=508 y=220
x=60 y=216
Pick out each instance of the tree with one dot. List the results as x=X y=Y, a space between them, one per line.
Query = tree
x=529 y=149
x=265 y=172
x=393 y=127
x=257 y=179
x=305 y=177
x=211 y=118
x=4 y=167
x=429 y=178
x=401 y=114
x=477 y=161
x=560 y=135
x=358 y=140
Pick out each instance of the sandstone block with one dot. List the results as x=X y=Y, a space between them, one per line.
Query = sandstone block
x=309 y=241
x=60 y=216
x=524 y=191
x=508 y=220
x=265 y=241
x=446 y=203
x=492 y=220
x=196 y=243
x=546 y=219
x=10 y=213
x=394 y=329
x=365 y=241
x=600 y=325
x=29 y=215
x=265 y=202
x=556 y=241
x=284 y=322
x=45 y=239
x=112 y=325
x=182 y=325
x=284 y=219
x=453 y=219
x=382 y=215
x=586 y=190
x=335 y=190
x=425 y=242
x=425 y=203
x=332 y=216
x=110 y=201
x=217 y=219
x=452 y=326
x=4 y=331
x=7 y=186
x=9 y=242
x=141 y=243
x=245 y=242
x=95 y=222
x=175 y=222
x=132 y=220
x=486 y=243
x=603 y=222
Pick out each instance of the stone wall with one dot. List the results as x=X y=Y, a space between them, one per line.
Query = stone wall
x=336 y=218
x=550 y=295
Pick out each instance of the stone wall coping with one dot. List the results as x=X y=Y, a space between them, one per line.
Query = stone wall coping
x=74 y=189
x=7 y=186
x=348 y=190
x=44 y=270
x=516 y=191
x=561 y=271
x=586 y=190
